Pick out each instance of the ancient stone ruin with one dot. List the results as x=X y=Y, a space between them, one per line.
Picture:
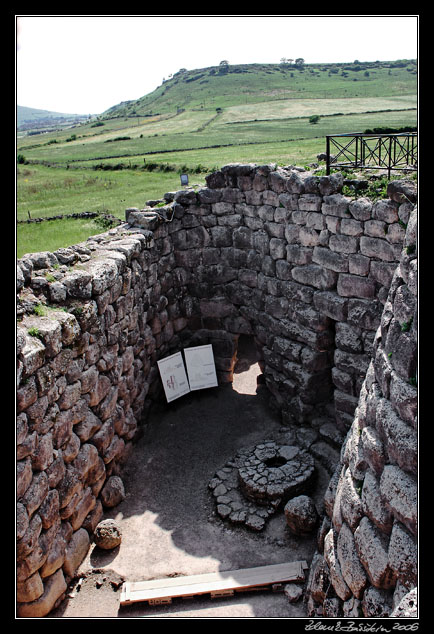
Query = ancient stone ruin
x=253 y=485
x=326 y=285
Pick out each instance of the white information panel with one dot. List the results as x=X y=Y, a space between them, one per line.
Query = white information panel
x=200 y=367
x=173 y=376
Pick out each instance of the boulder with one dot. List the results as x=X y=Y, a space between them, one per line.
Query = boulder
x=113 y=492
x=301 y=515
x=108 y=534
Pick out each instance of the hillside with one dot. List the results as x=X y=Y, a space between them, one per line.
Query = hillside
x=234 y=106
x=194 y=123
x=34 y=118
x=229 y=85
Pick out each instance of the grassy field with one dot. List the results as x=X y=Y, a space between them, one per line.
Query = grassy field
x=136 y=151
x=44 y=192
x=55 y=234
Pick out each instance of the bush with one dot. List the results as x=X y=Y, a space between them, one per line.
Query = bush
x=386 y=130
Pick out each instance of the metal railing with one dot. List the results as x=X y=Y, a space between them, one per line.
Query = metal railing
x=372 y=151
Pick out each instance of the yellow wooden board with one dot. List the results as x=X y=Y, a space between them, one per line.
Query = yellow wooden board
x=217 y=584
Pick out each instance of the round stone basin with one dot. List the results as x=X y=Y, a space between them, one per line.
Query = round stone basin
x=253 y=485
x=273 y=473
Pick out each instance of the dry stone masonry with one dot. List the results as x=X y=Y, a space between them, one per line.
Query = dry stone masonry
x=327 y=287
x=257 y=481
x=367 y=559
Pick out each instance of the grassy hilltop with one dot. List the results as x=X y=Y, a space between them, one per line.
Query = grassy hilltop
x=197 y=121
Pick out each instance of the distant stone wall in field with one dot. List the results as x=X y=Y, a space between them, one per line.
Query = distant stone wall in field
x=322 y=282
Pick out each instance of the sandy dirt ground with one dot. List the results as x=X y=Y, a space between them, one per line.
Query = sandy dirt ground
x=168 y=518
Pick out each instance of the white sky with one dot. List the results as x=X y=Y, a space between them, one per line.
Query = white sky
x=86 y=64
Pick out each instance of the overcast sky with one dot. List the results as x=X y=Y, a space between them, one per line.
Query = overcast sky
x=86 y=64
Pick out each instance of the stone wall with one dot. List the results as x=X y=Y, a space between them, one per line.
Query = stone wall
x=277 y=254
x=367 y=559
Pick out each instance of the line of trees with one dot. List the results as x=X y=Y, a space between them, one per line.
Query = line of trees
x=287 y=60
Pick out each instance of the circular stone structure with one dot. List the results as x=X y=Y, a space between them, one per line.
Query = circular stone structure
x=257 y=481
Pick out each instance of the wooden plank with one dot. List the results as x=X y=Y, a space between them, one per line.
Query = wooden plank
x=289 y=569
x=222 y=583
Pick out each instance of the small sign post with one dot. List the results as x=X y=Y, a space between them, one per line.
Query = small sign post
x=184 y=179
x=200 y=367
x=173 y=376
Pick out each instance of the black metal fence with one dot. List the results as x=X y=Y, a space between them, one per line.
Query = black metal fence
x=372 y=151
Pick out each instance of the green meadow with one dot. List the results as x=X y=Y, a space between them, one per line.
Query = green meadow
x=194 y=123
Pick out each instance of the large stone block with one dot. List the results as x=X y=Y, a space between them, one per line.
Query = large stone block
x=331 y=304
x=332 y=184
x=330 y=260
x=54 y=587
x=243 y=238
x=224 y=208
x=401 y=348
x=351 y=227
x=403 y=557
x=30 y=589
x=336 y=205
x=402 y=191
x=76 y=551
x=352 y=570
x=372 y=548
x=315 y=276
x=301 y=515
x=32 y=357
x=377 y=603
x=386 y=210
x=349 y=500
x=344 y=244
x=378 y=248
x=355 y=286
x=399 y=492
x=404 y=399
x=373 y=505
x=364 y=313
x=55 y=556
x=35 y=493
x=373 y=449
x=312 y=202
x=330 y=555
x=319 y=579
x=400 y=439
